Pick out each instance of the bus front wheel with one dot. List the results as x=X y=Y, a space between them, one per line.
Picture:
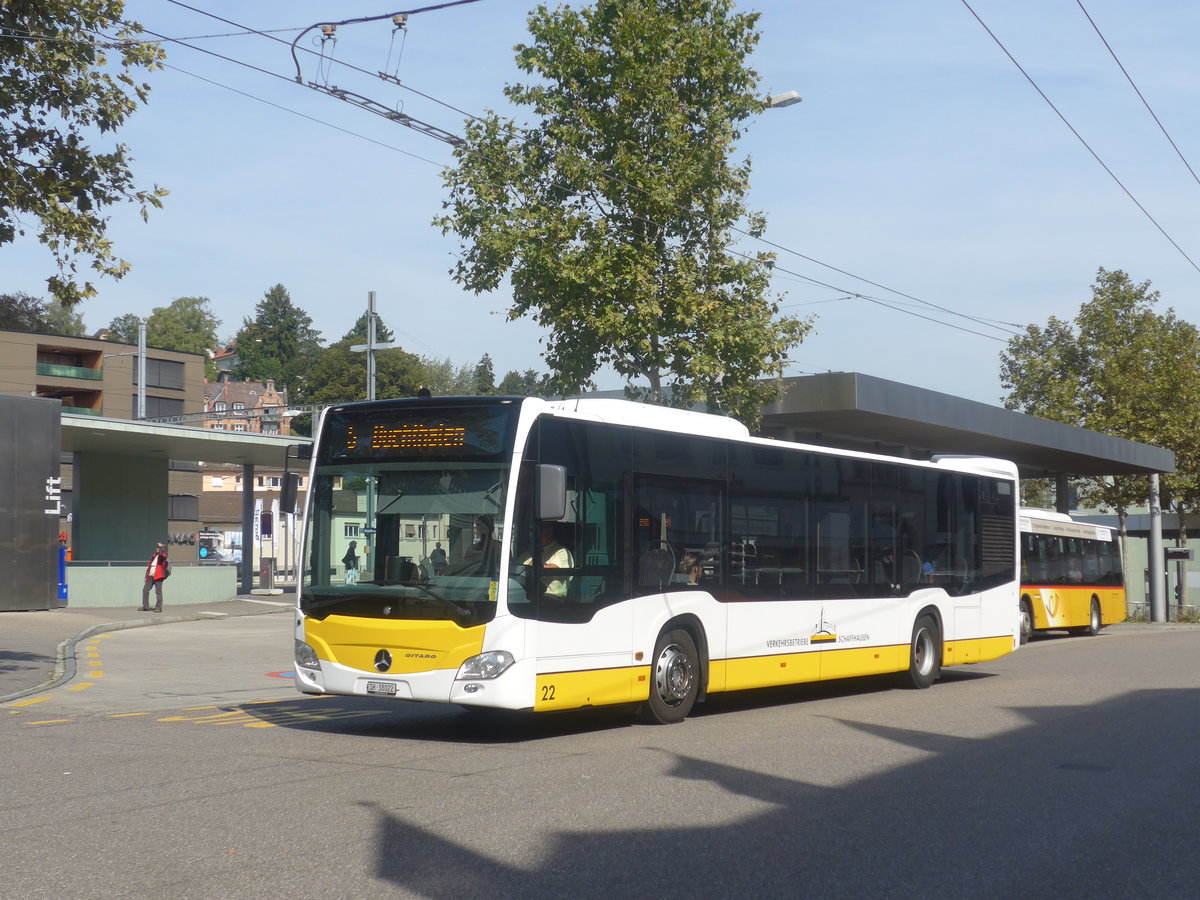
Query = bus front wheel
x=676 y=679
x=925 y=656
x=1026 y=620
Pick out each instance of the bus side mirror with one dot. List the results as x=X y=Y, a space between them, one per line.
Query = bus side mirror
x=287 y=495
x=551 y=492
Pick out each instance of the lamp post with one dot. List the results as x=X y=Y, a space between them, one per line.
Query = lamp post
x=788 y=98
x=141 y=368
x=369 y=348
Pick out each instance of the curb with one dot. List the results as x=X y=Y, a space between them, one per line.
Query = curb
x=64 y=662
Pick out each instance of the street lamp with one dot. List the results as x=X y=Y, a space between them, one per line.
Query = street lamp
x=141 y=367
x=789 y=98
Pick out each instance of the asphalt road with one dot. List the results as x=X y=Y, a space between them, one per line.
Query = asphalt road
x=180 y=763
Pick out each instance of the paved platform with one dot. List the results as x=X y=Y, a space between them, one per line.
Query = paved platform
x=37 y=649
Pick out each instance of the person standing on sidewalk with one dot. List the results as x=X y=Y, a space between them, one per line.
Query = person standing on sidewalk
x=157 y=571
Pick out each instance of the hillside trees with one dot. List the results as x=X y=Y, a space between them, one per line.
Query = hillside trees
x=187 y=325
x=22 y=312
x=63 y=319
x=339 y=374
x=124 y=328
x=279 y=343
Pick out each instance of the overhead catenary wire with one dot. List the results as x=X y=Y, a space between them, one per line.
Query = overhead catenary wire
x=857 y=295
x=267 y=34
x=377 y=18
x=296 y=112
x=370 y=106
x=1137 y=91
x=1079 y=137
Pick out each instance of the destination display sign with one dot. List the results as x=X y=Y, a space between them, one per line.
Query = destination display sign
x=380 y=434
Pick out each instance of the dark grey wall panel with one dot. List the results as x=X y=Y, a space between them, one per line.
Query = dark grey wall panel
x=30 y=503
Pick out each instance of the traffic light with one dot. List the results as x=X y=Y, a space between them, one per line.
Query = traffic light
x=265 y=524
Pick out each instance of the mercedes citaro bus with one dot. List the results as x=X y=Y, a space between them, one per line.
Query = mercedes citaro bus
x=523 y=554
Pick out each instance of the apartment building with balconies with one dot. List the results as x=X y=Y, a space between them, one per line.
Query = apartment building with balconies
x=98 y=377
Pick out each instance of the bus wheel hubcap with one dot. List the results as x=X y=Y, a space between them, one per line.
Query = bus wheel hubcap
x=673 y=675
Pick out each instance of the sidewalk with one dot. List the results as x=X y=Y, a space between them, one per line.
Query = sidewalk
x=37 y=649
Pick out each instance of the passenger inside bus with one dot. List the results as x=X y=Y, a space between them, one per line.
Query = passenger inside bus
x=482 y=557
x=1074 y=569
x=554 y=556
x=691 y=568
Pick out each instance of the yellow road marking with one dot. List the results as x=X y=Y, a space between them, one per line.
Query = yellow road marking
x=127 y=715
x=80 y=687
x=49 y=722
x=30 y=701
x=211 y=718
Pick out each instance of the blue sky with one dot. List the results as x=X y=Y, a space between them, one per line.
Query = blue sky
x=920 y=159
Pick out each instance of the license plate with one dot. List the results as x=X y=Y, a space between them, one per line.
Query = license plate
x=386 y=688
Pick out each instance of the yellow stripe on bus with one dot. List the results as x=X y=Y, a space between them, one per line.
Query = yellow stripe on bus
x=600 y=687
x=976 y=650
x=768 y=671
x=593 y=687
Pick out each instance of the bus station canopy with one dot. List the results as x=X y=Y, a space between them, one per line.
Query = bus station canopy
x=838 y=409
x=128 y=438
x=861 y=412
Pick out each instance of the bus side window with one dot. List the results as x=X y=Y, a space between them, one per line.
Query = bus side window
x=673 y=515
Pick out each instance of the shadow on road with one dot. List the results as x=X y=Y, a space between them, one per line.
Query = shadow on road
x=1089 y=801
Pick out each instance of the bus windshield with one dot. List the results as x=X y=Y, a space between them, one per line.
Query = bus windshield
x=406 y=513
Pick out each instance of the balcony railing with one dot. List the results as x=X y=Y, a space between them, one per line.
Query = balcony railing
x=83 y=411
x=70 y=371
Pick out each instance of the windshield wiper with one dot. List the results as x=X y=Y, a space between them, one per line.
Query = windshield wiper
x=314 y=605
x=436 y=596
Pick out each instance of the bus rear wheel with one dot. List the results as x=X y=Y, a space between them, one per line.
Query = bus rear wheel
x=1092 y=628
x=925 y=656
x=675 y=671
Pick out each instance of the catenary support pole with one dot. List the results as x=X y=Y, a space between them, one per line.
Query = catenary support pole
x=247 y=567
x=1158 y=589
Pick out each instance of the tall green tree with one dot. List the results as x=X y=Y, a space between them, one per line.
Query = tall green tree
x=612 y=214
x=524 y=384
x=62 y=319
x=383 y=334
x=339 y=374
x=187 y=325
x=1121 y=368
x=442 y=378
x=124 y=328
x=67 y=74
x=279 y=343
x=484 y=377
x=22 y=312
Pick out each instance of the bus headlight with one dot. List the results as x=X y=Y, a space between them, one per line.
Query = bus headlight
x=486 y=665
x=306 y=656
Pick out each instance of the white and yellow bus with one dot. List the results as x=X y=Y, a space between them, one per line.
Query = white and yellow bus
x=531 y=555
x=1071 y=574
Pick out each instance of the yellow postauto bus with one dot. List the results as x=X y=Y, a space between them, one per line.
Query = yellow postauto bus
x=1071 y=574
x=523 y=554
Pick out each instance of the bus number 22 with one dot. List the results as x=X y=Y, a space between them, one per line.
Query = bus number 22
x=547 y=693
